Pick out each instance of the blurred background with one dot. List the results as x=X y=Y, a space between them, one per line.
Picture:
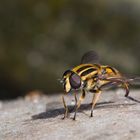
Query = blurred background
x=39 y=40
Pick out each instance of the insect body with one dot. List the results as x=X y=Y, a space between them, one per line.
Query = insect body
x=94 y=78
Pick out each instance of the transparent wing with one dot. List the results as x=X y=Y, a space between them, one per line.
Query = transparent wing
x=131 y=80
x=134 y=81
x=109 y=85
x=90 y=57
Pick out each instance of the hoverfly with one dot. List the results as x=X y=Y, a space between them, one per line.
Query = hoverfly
x=90 y=76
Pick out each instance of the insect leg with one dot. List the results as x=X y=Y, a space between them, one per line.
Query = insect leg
x=75 y=97
x=66 y=108
x=75 y=100
x=127 y=89
x=121 y=82
x=94 y=100
x=79 y=103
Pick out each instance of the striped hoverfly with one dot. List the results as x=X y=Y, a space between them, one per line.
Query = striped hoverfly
x=91 y=76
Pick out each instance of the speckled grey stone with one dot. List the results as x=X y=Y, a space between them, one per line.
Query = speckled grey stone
x=115 y=118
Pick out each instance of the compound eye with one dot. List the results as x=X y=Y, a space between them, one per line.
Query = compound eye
x=75 y=81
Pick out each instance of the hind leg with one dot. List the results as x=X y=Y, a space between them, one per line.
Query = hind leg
x=127 y=89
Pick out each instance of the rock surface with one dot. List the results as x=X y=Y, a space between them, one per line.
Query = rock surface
x=115 y=118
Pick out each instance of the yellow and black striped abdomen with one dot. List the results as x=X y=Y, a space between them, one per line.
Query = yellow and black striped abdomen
x=110 y=71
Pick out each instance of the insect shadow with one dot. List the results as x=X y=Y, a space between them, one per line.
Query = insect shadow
x=52 y=113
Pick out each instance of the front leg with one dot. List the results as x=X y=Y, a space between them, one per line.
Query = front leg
x=66 y=108
x=75 y=97
x=79 y=103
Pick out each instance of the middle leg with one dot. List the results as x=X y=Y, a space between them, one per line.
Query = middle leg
x=94 y=100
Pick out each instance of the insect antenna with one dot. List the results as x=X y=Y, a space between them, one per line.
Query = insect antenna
x=60 y=80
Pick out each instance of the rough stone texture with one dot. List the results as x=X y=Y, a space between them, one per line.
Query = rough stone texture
x=115 y=118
